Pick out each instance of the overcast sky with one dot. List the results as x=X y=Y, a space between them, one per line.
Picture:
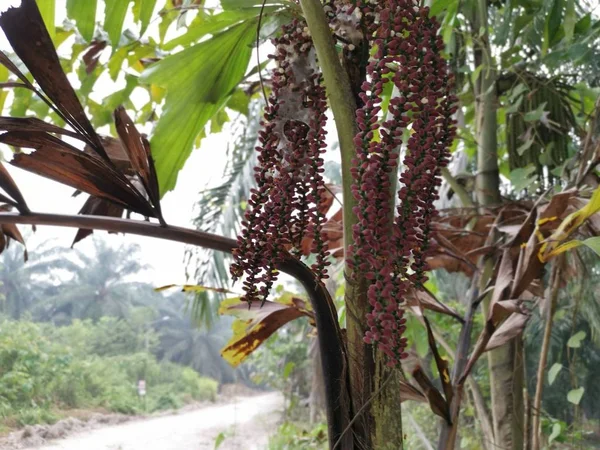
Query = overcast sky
x=203 y=168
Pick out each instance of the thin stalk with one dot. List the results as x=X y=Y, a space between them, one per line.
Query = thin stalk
x=506 y=384
x=478 y=400
x=463 y=195
x=331 y=345
x=539 y=390
x=448 y=432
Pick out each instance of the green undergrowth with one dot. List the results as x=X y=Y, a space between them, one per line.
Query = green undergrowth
x=45 y=372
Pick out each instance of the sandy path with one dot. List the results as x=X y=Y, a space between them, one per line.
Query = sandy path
x=247 y=423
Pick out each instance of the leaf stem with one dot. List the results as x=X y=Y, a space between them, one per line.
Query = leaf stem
x=331 y=345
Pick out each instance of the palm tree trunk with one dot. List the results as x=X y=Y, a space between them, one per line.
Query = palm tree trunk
x=374 y=393
x=505 y=363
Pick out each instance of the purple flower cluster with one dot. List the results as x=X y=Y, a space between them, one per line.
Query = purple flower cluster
x=283 y=209
x=408 y=54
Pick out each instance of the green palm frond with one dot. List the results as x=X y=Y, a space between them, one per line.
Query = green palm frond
x=540 y=125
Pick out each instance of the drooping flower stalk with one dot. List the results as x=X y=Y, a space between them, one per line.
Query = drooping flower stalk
x=284 y=207
x=408 y=54
x=392 y=235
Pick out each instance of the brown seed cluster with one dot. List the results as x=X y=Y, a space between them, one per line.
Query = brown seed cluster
x=392 y=236
x=284 y=207
x=408 y=54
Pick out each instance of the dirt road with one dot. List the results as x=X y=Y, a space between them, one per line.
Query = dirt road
x=246 y=423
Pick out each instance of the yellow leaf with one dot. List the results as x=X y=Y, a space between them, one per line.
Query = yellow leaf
x=446 y=376
x=255 y=323
x=563 y=248
x=192 y=288
x=157 y=93
x=546 y=220
x=238 y=348
x=568 y=226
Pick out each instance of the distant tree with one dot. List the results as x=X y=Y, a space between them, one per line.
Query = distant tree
x=100 y=286
x=24 y=285
x=183 y=342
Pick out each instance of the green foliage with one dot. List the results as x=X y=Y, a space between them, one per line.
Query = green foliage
x=198 y=81
x=43 y=368
x=292 y=436
x=282 y=361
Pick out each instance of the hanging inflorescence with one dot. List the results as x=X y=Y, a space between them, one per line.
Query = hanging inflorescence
x=408 y=54
x=284 y=208
x=392 y=235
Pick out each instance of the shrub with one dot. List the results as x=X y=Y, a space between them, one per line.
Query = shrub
x=37 y=371
x=33 y=416
x=292 y=436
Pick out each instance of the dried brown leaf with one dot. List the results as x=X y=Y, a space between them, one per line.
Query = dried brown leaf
x=34 y=125
x=504 y=278
x=25 y=30
x=436 y=401
x=424 y=299
x=10 y=231
x=511 y=328
x=10 y=187
x=57 y=160
x=441 y=364
x=92 y=55
x=409 y=392
x=138 y=150
x=96 y=207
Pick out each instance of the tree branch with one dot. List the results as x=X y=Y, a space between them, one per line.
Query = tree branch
x=331 y=345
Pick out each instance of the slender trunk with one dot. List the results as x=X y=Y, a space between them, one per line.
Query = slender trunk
x=482 y=413
x=505 y=363
x=537 y=401
x=448 y=433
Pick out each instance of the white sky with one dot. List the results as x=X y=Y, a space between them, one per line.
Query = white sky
x=203 y=168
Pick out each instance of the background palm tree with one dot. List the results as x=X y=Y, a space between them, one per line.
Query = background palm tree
x=184 y=342
x=101 y=285
x=24 y=285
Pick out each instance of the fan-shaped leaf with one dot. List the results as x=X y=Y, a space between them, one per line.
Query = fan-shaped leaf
x=115 y=11
x=142 y=11
x=61 y=162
